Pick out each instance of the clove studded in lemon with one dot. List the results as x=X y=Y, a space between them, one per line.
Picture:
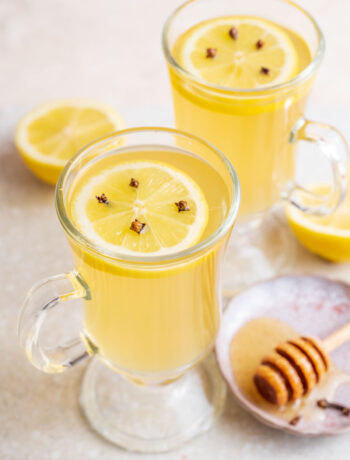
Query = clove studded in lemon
x=133 y=208
x=238 y=48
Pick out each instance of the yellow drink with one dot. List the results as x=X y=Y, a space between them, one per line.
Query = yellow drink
x=251 y=128
x=147 y=219
x=153 y=317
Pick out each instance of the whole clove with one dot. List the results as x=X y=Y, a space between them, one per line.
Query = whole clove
x=211 y=52
x=102 y=198
x=137 y=226
x=295 y=420
x=324 y=404
x=233 y=32
x=182 y=206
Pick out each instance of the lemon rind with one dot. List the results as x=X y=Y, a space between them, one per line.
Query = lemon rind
x=297 y=218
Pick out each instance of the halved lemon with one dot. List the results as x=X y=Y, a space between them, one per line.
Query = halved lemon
x=152 y=204
x=48 y=136
x=238 y=62
x=329 y=236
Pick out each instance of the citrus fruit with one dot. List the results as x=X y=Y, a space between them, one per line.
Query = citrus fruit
x=238 y=52
x=140 y=207
x=48 y=136
x=328 y=236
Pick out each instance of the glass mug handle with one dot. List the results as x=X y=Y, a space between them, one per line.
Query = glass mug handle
x=44 y=296
x=333 y=147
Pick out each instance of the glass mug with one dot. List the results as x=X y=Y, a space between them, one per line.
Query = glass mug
x=258 y=130
x=148 y=320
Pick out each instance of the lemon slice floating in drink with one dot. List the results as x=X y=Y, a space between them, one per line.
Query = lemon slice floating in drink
x=48 y=136
x=141 y=208
x=238 y=52
x=328 y=236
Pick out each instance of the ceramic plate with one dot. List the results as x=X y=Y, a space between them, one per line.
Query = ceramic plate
x=311 y=305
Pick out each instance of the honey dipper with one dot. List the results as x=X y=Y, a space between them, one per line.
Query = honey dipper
x=293 y=369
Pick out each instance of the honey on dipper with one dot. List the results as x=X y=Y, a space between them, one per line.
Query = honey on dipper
x=296 y=367
x=292 y=370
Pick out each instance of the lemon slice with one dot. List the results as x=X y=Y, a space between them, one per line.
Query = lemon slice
x=48 y=136
x=239 y=61
x=328 y=236
x=160 y=186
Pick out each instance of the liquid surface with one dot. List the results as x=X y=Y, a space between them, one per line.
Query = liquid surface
x=251 y=344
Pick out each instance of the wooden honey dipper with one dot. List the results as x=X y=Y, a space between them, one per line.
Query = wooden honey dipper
x=293 y=369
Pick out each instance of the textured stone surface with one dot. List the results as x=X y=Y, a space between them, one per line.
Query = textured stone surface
x=110 y=50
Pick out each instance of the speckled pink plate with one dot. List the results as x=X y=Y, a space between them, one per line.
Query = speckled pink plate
x=312 y=306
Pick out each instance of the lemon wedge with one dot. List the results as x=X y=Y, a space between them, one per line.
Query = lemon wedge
x=258 y=53
x=145 y=219
x=328 y=236
x=48 y=136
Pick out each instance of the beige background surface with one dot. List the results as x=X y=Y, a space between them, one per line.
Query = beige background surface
x=110 y=50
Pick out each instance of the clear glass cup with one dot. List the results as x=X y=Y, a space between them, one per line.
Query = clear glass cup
x=258 y=130
x=149 y=322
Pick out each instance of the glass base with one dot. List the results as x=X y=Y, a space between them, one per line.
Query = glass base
x=259 y=249
x=152 y=418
